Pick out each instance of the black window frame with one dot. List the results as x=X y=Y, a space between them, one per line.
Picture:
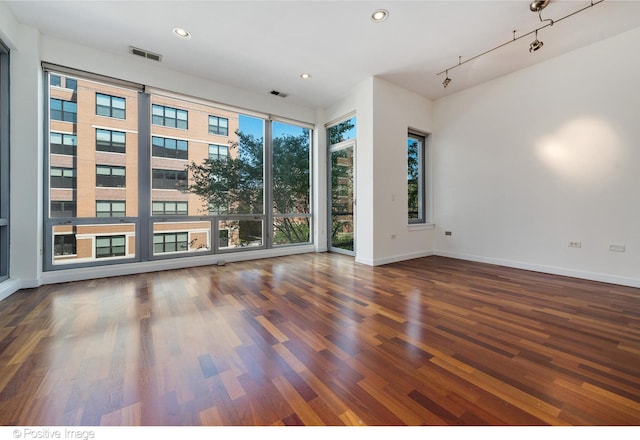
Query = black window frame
x=111 y=212
x=68 y=208
x=66 y=180
x=165 y=211
x=165 y=121
x=215 y=128
x=103 y=182
x=420 y=214
x=111 y=246
x=161 y=147
x=111 y=146
x=112 y=112
x=164 y=236
x=60 y=241
x=67 y=149
x=65 y=113
x=162 y=178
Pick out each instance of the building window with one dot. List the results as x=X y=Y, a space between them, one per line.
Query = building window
x=223 y=238
x=63 y=82
x=291 y=187
x=171 y=148
x=257 y=185
x=63 y=177
x=63 y=143
x=218 y=125
x=109 y=208
x=110 y=141
x=218 y=152
x=63 y=209
x=112 y=246
x=416 y=178
x=170 y=242
x=170 y=208
x=111 y=106
x=71 y=84
x=110 y=176
x=64 y=110
x=169 y=179
x=169 y=116
x=64 y=244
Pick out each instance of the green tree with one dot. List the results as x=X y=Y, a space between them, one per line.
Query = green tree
x=235 y=184
x=291 y=187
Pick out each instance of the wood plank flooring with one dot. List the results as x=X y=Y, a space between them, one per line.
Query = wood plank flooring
x=317 y=339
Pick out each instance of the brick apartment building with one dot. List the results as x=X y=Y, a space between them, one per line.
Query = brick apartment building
x=94 y=169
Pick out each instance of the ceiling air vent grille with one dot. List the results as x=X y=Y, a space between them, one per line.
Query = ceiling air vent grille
x=145 y=53
x=280 y=94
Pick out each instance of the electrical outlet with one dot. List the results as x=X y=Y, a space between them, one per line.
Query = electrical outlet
x=448 y=233
x=575 y=244
x=616 y=247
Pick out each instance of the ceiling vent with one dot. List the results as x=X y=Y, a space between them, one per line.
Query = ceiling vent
x=145 y=53
x=280 y=94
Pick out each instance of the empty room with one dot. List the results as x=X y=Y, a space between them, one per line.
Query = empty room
x=319 y=213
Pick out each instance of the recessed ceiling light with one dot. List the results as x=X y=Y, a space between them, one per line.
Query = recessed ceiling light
x=379 y=15
x=182 y=33
x=305 y=76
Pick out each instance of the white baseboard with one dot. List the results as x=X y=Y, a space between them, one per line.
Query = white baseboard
x=393 y=259
x=88 y=273
x=585 y=275
x=9 y=287
x=404 y=257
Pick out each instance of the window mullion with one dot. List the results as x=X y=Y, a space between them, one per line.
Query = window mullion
x=144 y=238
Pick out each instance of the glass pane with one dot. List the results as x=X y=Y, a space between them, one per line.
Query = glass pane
x=240 y=233
x=414 y=178
x=343 y=131
x=103 y=136
x=291 y=230
x=342 y=199
x=118 y=103
x=92 y=157
x=74 y=244
x=291 y=169
x=170 y=150
x=181 y=237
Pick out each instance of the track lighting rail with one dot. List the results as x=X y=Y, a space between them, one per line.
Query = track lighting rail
x=550 y=23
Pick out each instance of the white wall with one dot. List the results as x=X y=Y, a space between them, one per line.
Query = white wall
x=395 y=111
x=360 y=100
x=384 y=113
x=25 y=220
x=544 y=156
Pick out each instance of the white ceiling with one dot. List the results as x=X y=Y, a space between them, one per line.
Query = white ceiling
x=266 y=45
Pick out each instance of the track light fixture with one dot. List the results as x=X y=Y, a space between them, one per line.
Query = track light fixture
x=536 y=44
x=534 y=6
x=447 y=80
x=538 y=5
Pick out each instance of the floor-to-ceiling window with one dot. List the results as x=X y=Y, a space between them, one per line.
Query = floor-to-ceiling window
x=341 y=180
x=4 y=162
x=137 y=176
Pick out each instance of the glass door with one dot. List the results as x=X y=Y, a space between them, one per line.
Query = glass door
x=342 y=199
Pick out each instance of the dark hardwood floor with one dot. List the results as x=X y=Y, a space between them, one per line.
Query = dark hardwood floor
x=316 y=339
